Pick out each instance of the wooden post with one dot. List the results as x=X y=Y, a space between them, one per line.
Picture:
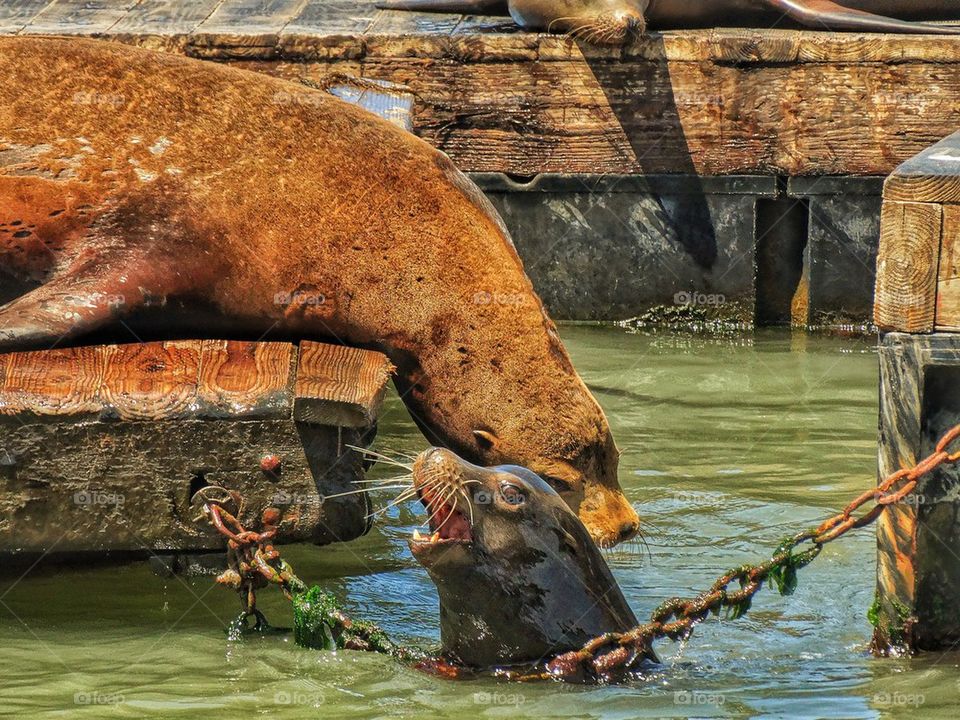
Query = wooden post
x=102 y=448
x=918 y=292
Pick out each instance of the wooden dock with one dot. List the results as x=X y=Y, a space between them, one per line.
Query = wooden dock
x=103 y=448
x=711 y=102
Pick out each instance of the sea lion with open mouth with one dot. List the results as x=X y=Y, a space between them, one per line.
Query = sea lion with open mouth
x=519 y=579
x=615 y=21
x=170 y=197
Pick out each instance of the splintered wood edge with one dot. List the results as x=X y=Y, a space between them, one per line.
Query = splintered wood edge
x=151 y=381
x=339 y=385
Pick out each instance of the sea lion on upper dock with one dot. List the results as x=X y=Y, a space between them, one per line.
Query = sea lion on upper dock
x=180 y=198
x=615 y=21
x=518 y=577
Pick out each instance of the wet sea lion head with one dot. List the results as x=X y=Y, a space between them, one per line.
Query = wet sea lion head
x=518 y=576
x=603 y=22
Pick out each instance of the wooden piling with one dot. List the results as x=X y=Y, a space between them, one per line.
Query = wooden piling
x=918 y=295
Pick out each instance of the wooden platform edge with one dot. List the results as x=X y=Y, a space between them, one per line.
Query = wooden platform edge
x=340 y=385
x=195 y=379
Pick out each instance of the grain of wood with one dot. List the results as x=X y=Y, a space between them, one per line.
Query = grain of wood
x=61 y=382
x=338 y=385
x=244 y=379
x=164 y=17
x=15 y=14
x=931 y=176
x=948 y=305
x=78 y=17
x=243 y=28
x=155 y=381
x=950 y=244
x=907 y=263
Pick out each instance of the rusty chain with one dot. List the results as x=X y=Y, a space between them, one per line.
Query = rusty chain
x=254 y=563
x=252 y=560
x=610 y=655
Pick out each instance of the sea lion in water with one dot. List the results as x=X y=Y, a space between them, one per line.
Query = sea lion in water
x=615 y=21
x=519 y=579
x=181 y=198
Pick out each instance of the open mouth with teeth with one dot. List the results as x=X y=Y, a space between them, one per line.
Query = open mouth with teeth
x=448 y=524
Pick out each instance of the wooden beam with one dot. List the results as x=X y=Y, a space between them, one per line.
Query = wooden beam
x=907 y=263
x=244 y=28
x=933 y=176
x=338 y=385
x=246 y=380
x=58 y=383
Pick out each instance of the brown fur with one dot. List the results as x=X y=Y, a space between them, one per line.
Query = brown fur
x=130 y=178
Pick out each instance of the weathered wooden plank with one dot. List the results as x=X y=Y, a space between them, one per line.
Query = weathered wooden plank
x=163 y=17
x=907 y=262
x=78 y=17
x=948 y=305
x=244 y=28
x=398 y=22
x=526 y=118
x=333 y=17
x=153 y=381
x=950 y=244
x=931 y=176
x=338 y=385
x=61 y=382
x=15 y=14
x=239 y=18
x=824 y=47
x=246 y=380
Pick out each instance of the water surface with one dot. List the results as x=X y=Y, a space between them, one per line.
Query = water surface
x=728 y=444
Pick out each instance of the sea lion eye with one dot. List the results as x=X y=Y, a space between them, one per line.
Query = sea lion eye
x=512 y=495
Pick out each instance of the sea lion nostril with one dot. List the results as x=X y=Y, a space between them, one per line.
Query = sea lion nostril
x=627 y=530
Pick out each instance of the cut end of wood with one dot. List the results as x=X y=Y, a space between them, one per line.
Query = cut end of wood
x=339 y=385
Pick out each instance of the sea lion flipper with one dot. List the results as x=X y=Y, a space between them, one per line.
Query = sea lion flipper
x=64 y=307
x=460 y=6
x=828 y=15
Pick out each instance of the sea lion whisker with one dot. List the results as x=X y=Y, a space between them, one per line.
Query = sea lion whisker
x=452 y=495
x=384 y=481
x=466 y=498
x=380 y=456
x=403 y=497
x=559 y=19
x=360 y=491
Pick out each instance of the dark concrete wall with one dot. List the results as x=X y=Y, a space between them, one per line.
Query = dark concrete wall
x=607 y=247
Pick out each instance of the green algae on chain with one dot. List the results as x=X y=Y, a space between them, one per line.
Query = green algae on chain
x=319 y=623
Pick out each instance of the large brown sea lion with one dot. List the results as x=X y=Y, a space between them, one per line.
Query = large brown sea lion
x=614 y=21
x=177 y=197
x=518 y=577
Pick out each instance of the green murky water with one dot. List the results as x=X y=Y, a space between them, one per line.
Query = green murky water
x=728 y=445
